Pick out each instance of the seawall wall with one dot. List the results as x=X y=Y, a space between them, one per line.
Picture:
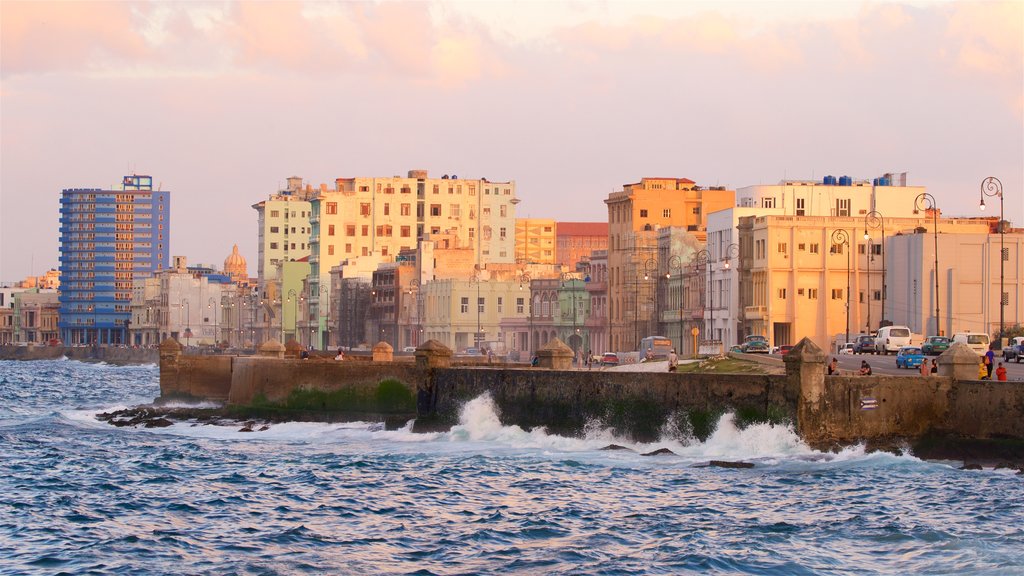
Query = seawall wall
x=108 y=354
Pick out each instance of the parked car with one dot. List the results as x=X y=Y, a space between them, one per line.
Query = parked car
x=472 y=352
x=891 y=339
x=784 y=349
x=736 y=348
x=934 y=345
x=909 y=357
x=846 y=348
x=976 y=341
x=756 y=347
x=864 y=344
x=409 y=349
x=1015 y=351
x=609 y=359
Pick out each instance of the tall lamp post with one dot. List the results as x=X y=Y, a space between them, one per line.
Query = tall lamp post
x=293 y=297
x=731 y=251
x=873 y=220
x=841 y=237
x=325 y=303
x=479 y=308
x=926 y=201
x=209 y=306
x=990 y=187
x=649 y=265
x=570 y=276
x=188 y=320
x=524 y=279
x=701 y=259
x=676 y=263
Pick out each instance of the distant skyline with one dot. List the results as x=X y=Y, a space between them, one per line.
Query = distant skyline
x=220 y=102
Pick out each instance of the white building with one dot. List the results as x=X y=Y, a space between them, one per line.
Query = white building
x=843 y=198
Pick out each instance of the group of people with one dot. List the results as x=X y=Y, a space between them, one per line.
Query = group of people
x=988 y=360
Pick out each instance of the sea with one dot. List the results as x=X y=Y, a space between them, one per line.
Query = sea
x=79 y=496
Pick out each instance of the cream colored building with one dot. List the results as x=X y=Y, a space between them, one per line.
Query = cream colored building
x=802 y=281
x=635 y=214
x=284 y=228
x=845 y=197
x=461 y=314
x=535 y=240
x=367 y=221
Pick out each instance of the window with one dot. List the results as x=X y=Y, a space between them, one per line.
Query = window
x=387 y=209
x=275 y=229
x=861 y=249
x=453 y=210
x=436 y=189
x=876 y=249
x=330 y=230
x=800 y=211
x=406 y=231
x=696 y=210
x=768 y=202
x=406 y=190
x=801 y=247
x=480 y=304
x=643 y=213
x=389 y=190
x=501 y=232
x=837 y=294
x=348 y=248
x=383 y=250
x=364 y=208
x=275 y=213
x=405 y=209
x=837 y=249
x=330 y=249
x=812 y=293
x=814 y=248
x=332 y=208
x=666 y=213
x=500 y=301
x=502 y=211
x=293 y=245
x=464 y=306
x=366 y=230
x=782 y=293
x=842 y=207
x=876 y=295
x=472 y=233
x=782 y=247
x=799 y=291
x=273 y=245
x=435 y=209
x=350 y=230
x=366 y=251
x=519 y=305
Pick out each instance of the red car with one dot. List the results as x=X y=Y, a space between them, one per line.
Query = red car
x=783 y=350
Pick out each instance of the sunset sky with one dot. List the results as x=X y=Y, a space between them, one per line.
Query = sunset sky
x=221 y=101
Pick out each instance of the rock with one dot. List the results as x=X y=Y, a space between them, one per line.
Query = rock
x=724 y=464
x=660 y=452
x=971 y=466
x=158 y=423
x=265 y=427
x=616 y=447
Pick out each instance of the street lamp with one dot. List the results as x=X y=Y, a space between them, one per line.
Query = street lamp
x=524 y=279
x=990 y=187
x=572 y=280
x=649 y=265
x=676 y=263
x=414 y=290
x=293 y=298
x=872 y=220
x=701 y=259
x=926 y=201
x=325 y=291
x=731 y=251
x=209 y=306
x=841 y=237
x=188 y=320
x=475 y=279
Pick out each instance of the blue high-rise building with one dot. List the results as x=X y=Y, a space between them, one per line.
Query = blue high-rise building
x=108 y=239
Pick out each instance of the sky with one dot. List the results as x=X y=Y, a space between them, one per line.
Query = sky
x=222 y=101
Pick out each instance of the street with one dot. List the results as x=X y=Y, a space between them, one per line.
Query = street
x=887 y=365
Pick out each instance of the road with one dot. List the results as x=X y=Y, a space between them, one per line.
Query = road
x=887 y=365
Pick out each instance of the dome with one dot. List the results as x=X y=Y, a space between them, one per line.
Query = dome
x=234 y=264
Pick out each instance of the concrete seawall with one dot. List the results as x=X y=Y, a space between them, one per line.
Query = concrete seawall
x=826 y=410
x=108 y=354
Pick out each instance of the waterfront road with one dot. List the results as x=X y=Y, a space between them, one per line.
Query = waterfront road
x=887 y=365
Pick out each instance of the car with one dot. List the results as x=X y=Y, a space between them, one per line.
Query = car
x=756 y=347
x=609 y=359
x=1015 y=351
x=864 y=344
x=846 y=348
x=785 y=349
x=472 y=352
x=891 y=339
x=755 y=337
x=934 y=345
x=909 y=357
x=409 y=349
x=736 y=348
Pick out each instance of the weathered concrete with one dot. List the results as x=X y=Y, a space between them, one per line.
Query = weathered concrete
x=271 y=349
x=108 y=354
x=383 y=352
x=555 y=355
x=959 y=362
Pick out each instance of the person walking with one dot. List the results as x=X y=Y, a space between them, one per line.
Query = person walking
x=672 y=360
x=925 y=369
x=990 y=360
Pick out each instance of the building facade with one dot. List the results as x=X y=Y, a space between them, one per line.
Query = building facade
x=535 y=240
x=575 y=241
x=109 y=239
x=283 y=225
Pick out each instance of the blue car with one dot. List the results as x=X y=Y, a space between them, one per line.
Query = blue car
x=909 y=357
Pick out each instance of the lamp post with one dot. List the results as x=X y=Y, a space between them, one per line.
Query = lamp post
x=209 y=306
x=841 y=237
x=731 y=251
x=325 y=291
x=475 y=279
x=524 y=278
x=926 y=201
x=701 y=259
x=676 y=263
x=649 y=265
x=294 y=299
x=572 y=288
x=990 y=187
x=188 y=320
x=414 y=291
x=872 y=220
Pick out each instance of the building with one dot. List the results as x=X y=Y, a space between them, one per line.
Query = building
x=841 y=197
x=597 y=293
x=575 y=241
x=180 y=304
x=635 y=214
x=368 y=221
x=535 y=240
x=464 y=314
x=819 y=277
x=235 y=267
x=109 y=239
x=284 y=228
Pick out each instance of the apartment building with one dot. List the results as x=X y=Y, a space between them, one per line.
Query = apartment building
x=535 y=240
x=283 y=225
x=575 y=241
x=635 y=215
x=109 y=239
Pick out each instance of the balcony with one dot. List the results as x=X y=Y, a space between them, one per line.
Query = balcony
x=754 y=312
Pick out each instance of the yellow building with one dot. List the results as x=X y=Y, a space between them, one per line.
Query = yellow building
x=535 y=240
x=284 y=228
x=635 y=214
x=463 y=314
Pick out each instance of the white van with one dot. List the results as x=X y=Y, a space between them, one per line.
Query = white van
x=975 y=341
x=891 y=339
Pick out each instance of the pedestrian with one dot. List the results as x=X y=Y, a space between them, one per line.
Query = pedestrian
x=983 y=370
x=672 y=360
x=1001 y=373
x=935 y=367
x=305 y=355
x=865 y=368
x=990 y=361
x=340 y=356
x=925 y=370
x=833 y=367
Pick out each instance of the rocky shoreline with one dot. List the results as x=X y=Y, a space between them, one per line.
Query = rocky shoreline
x=975 y=454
